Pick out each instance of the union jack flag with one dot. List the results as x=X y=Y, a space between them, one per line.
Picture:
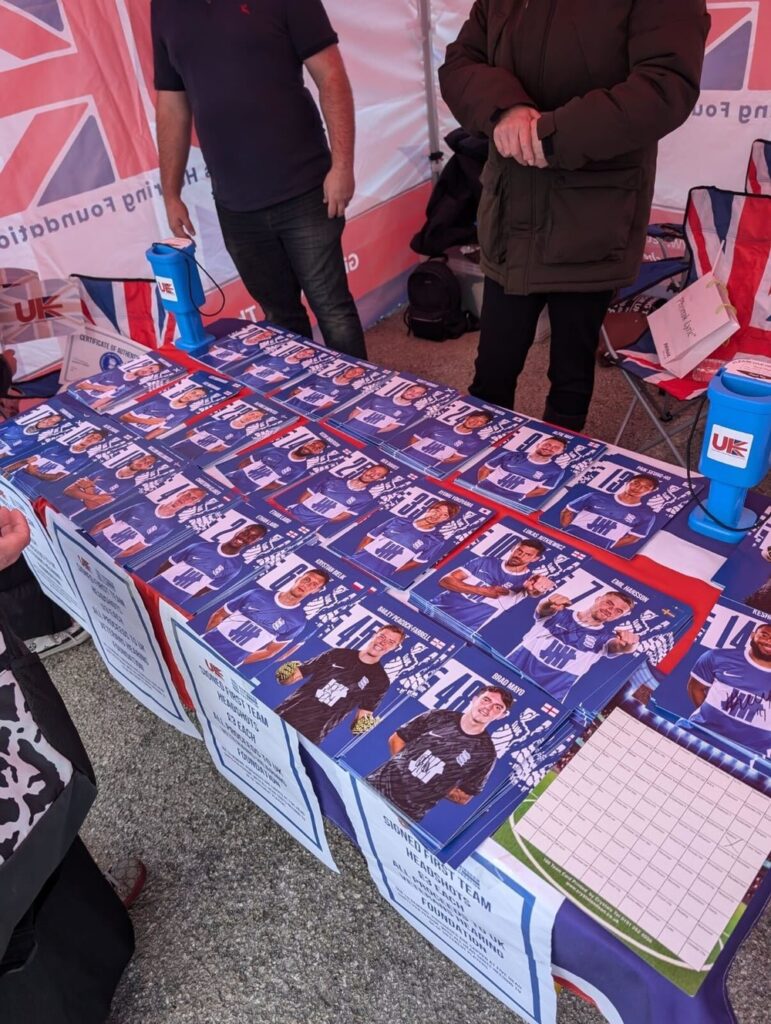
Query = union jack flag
x=731 y=231
x=71 y=128
x=39 y=309
x=11 y=276
x=737 y=47
x=759 y=168
x=131 y=307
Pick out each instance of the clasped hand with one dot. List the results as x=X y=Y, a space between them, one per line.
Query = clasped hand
x=516 y=136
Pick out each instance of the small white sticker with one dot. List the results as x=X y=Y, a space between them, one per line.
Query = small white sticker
x=166 y=288
x=730 y=446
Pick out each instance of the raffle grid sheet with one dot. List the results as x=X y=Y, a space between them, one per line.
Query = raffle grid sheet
x=663 y=836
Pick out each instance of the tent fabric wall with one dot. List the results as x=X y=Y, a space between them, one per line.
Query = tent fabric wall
x=79 y=189
x=79 y=183
x=734 y=107
x=447 y=17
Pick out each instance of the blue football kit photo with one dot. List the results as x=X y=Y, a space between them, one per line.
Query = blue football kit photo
x=722 y=686
x=198 y=569
x=280 y=463
x=558 y=649
x=486 y=572
x=376 y=415
x=155 y=417
x=514 y=475
x=30 y=430
x=397 y=545
x=239 y=424
x=336 y=382
x=278 y=360
x=400 y=542
x=604 y=520
x=265 y=469
x=132 y=529
x=618 y=503
x=44 y=471
x=737 y=704
x=531 y=465
x=440 y=443
x=124 y=383
x=252 y=622
x=234 y=349
x=331 y=500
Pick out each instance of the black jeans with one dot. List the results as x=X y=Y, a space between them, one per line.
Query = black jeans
x=507 y=332
x=292 y=247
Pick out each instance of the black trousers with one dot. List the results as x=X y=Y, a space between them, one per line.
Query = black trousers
x=507 y=332
x=290 y=248
x=29 y=611
x=69 y=951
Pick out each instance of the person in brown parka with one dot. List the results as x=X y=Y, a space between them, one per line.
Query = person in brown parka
x=574 y=96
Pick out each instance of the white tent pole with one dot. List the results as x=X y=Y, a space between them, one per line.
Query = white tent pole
x=429 y=71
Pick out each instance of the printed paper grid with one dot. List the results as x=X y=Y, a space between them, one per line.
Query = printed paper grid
x=669 y=840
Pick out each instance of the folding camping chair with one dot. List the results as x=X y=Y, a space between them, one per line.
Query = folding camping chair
x=759 y=169
x=715 y=219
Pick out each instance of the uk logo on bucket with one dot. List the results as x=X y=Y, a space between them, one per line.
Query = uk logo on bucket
x=729 y=446
x=166 y=288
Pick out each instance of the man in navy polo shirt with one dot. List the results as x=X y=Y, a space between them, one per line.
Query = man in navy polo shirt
x=237 y=70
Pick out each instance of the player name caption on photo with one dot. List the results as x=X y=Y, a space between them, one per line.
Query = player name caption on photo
x=42 y=557
x=487 y=923
x=248 y=743
x=119 y=624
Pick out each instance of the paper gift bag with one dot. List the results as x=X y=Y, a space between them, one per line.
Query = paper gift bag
x=692 y=325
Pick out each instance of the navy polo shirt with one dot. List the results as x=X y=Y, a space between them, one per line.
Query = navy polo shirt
x=241 y=65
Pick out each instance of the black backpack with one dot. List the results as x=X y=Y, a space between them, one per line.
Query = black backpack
x=434 y=311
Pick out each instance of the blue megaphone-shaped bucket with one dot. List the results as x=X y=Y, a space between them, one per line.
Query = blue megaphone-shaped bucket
x=737 y=447
x=179 y=284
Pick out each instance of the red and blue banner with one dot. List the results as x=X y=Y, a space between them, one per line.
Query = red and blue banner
x=79 y=180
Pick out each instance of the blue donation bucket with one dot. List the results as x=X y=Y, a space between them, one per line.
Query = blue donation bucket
x=179 y=284
x=737 y=446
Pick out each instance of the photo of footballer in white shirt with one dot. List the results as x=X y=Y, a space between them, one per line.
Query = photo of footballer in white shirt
x=564 y=643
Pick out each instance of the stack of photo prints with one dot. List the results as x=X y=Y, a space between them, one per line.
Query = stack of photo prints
x=342 y=535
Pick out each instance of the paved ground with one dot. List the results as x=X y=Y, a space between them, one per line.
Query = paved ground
x=238 y=925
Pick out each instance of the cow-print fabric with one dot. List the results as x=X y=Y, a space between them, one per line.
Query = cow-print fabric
x=32 y=773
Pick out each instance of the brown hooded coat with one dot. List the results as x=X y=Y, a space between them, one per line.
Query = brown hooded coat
x=610 y=78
